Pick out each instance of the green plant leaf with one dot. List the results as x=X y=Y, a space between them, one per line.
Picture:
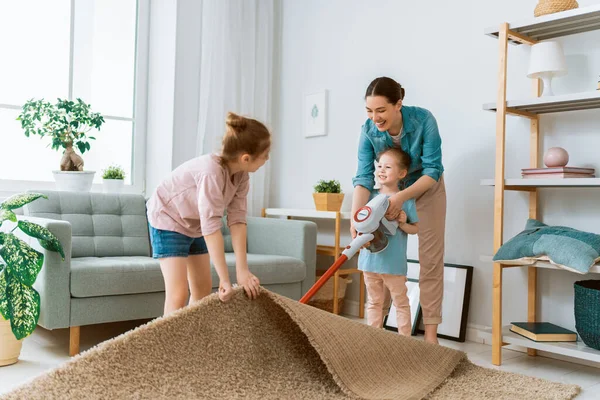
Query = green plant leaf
x=332 y=186
x=19 y=200
x=4 y=311
x=53 y=245
x=7 y=215
x=25 y=262
x=24 y=306
x=46 y=238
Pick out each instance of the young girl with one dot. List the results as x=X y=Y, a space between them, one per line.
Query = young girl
x=388 y=267
x=185 y=216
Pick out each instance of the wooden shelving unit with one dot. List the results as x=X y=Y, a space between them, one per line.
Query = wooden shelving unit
x=530 y=32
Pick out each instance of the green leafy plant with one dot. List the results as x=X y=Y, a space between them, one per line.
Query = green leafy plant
x=20 y=265
x=113 y=172
x=66 y=123
x=332 y=186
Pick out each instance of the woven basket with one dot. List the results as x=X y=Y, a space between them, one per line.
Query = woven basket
x=323 y=299
x=553 y=6
x=587 y=312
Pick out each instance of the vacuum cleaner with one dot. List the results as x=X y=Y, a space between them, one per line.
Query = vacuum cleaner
x=372 y=227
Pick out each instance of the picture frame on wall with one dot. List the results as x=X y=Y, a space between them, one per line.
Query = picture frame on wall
x=455 y=304
x=314 y=114
x=390 y=322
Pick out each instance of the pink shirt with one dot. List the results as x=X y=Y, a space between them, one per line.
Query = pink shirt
x=194 y=198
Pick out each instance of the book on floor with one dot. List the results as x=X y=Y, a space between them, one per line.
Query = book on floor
x=543 y=332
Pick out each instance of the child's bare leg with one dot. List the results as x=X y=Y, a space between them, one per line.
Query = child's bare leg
x=174 y=270
x=375 y=297
x=199 y=277
x=398 y=291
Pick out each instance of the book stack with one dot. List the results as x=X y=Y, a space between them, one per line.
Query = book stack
x=557 y=172
x=543 y=332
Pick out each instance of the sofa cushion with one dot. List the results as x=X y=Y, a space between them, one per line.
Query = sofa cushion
x=105 y=276
x=269 y=269
x=103 y=225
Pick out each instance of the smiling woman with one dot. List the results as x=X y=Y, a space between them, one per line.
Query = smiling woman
x=391 y=124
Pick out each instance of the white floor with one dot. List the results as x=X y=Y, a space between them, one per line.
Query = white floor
x=45 y=350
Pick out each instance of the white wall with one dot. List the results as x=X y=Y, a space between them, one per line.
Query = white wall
x=437 y=50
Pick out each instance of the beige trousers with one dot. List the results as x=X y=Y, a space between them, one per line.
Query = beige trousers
x=431 y=209
x=376 y=295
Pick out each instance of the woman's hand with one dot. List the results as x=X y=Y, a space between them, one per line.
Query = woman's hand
x=353 y=231
x=225 y=291
x=250 y=283
x=395 y=207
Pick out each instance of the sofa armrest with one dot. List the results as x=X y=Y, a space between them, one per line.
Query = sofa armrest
x=283 y=237
x=53 y=281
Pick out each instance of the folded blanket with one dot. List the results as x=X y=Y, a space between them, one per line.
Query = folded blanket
x=568 y=248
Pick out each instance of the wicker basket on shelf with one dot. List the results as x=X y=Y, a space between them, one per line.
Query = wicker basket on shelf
x=587 y=312
x=553 y=6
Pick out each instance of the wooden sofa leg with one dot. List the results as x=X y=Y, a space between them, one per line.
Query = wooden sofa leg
x=74 y=340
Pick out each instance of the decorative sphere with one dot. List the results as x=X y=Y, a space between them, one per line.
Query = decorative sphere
x=556 y=157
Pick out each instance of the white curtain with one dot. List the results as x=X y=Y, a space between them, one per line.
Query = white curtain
x=236 y=70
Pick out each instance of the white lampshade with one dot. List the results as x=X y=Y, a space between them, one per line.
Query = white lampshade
x=547 y=60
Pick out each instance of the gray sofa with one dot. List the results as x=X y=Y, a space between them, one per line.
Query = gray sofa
x=108 y=274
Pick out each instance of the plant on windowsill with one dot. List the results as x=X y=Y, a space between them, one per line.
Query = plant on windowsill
x=113 y=179
x=66 y=123
x=328 y=195
x=20 y=265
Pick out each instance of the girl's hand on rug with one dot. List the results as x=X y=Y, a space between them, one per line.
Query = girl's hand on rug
x=249 y=282
x=225 y=291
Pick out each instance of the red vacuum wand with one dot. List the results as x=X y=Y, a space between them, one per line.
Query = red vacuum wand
x=372 y=227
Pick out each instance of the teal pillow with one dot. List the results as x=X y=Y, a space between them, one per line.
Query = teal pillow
x=569 y=248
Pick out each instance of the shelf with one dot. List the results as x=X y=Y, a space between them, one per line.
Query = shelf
x=524 y=184
x=551 y=104
x=327 y=250
x=541 y=264
x=571 y=349
x=555 y=25
x=304 y=213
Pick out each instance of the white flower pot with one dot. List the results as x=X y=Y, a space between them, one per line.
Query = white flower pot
x=74 y=181
x=113 y=185
x=10 y=347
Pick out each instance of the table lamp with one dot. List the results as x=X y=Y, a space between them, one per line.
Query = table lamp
x=547 y=61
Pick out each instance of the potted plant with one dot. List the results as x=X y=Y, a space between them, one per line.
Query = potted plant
x=66 y=123
x=113 y=179
x=328 y=195
x=19 y=267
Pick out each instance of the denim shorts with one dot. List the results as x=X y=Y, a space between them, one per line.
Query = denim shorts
x=173 y=244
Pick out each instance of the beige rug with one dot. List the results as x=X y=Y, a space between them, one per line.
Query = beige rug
x=275 y=348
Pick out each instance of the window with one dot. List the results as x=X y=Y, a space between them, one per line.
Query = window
x=89 y=49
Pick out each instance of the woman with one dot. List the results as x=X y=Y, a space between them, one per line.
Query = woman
x=414 y=130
